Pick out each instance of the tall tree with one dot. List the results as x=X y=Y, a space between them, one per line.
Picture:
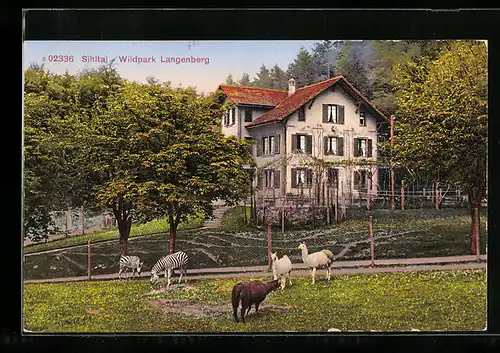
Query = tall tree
x=302 y=68
x=325 y=56
x=352 y=67
x=279 y=80
x=245 y=80
x=263 y=79
x=229 y=80
x=442 y=119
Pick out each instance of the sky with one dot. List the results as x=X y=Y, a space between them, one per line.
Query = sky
x=217 y=60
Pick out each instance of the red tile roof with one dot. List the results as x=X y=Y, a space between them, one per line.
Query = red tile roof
x=301 y=96
x=253 y=95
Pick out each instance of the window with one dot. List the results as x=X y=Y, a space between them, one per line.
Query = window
x=301 y=142
x=333 y=176
x=271 y=178
x=233 y=115
x=248 y=115
x=331 y=146
x=225 y=119
x=270 y=145
x=268 y=176
x=265 y=145
x=332 y=114
x=302 y=114
x=360 y=179
x=301 y=177
x=362 y=147
x=362 y=119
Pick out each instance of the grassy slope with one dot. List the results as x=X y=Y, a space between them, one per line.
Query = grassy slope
x=440 y=300
x=155 y=226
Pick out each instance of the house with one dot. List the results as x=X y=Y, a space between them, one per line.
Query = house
x=294 y=130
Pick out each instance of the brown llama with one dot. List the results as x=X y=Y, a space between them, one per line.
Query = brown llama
x=251 y=292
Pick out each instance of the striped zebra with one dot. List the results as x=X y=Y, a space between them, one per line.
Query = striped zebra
x=168 y=263
x=132 y=262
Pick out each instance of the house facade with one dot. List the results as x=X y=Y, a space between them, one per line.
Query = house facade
x=296 y=131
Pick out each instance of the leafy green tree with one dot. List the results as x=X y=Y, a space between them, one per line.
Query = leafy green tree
x=180 y=163
x=442 y=119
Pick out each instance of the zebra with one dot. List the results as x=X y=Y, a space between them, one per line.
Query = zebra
x=132 y=262
x=168 y=263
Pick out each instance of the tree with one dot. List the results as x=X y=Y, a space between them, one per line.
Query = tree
x=229 y=80
x=302 y=68
x=181 y=163
x=442 y=119
x=352 y=67
x=245 y=80
x=279 y=80
x=263 y=79
x=49 y=182
x=325 y=56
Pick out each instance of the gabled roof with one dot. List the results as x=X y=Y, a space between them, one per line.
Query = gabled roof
x=303 y=95
x=253 y=95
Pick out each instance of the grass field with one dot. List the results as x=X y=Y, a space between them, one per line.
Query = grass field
x=415 y=233
x=427 y=301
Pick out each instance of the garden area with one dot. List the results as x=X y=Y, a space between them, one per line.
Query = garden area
x=399 y=234
x=390 y=302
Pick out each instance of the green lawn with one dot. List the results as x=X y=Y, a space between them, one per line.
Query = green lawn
x=427 y=301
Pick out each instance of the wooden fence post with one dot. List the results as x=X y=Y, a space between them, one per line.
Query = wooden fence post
x=402 y=195
x=372 y=242
x=437 y=195
x=88 y=259
x=269 y=244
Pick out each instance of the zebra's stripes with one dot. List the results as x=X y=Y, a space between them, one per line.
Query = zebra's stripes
x=168 y=263
x=132 y=262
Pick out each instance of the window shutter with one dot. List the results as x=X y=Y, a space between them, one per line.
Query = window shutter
x=340 y=112
x=325 y=113
x=302 y=114
x=369 y=148
x=309 y=144
x=355 y=150
x=259 y=146
x=356 y=180
x=294 y=143
x=325 y=145
x=329 y=175
x=277 y=143
x=276 y=179
x=340 y=146
x=259 y=178
x=294 y=177
x=233 y=115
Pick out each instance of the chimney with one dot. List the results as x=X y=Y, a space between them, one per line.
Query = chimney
x=291 y=86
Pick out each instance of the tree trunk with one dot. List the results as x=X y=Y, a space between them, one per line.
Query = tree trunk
x=475 y=227
x=171 y=247
x=124 y=232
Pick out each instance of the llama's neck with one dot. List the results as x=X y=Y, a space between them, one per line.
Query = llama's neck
x=304 y=253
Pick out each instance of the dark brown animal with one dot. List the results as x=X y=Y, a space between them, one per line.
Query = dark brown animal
x=250 y=292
